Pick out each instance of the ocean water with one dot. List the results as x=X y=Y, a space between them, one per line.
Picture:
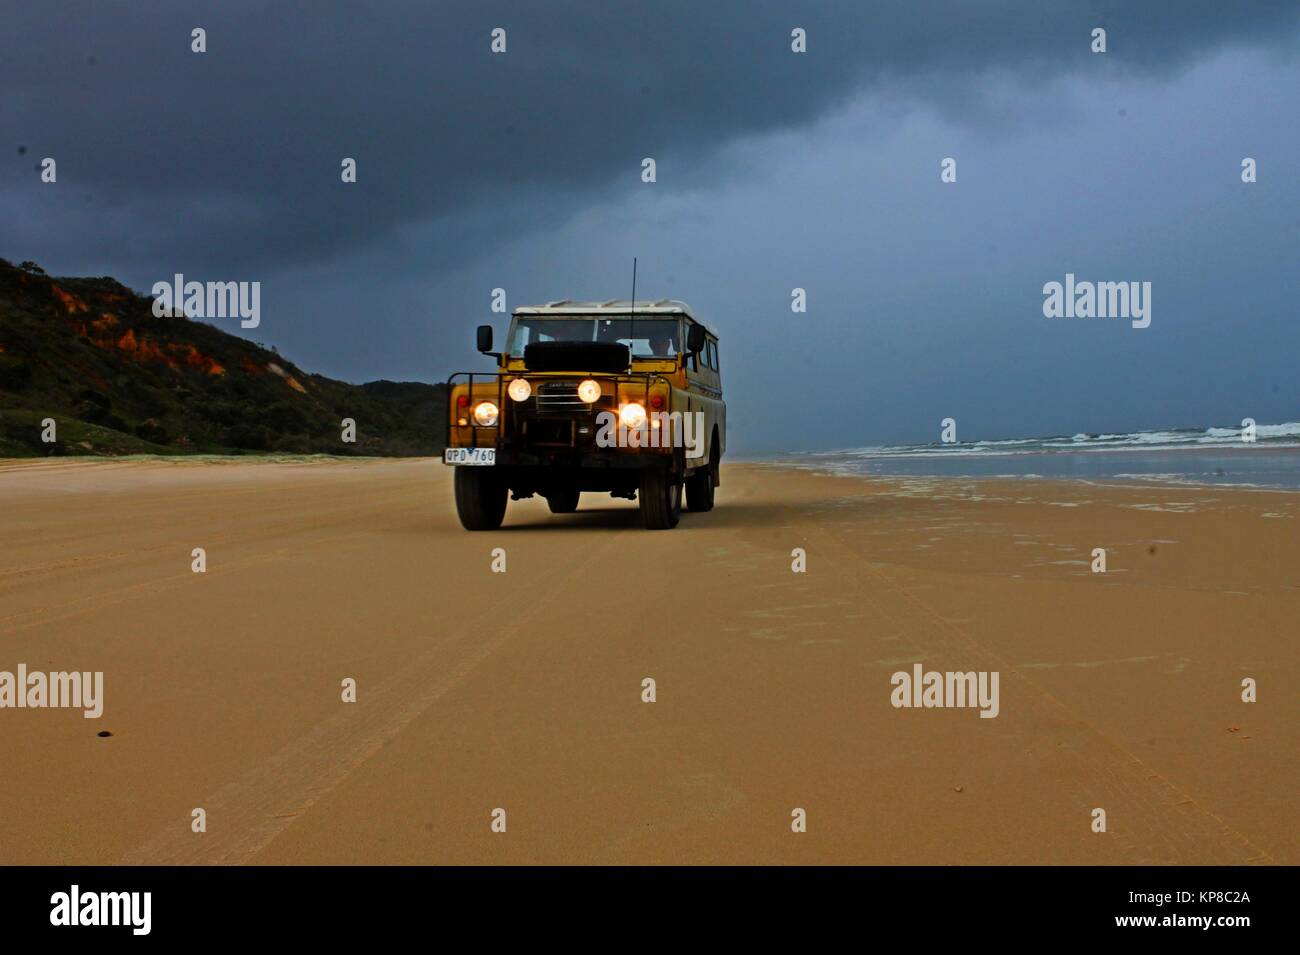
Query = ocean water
x=1191 y=456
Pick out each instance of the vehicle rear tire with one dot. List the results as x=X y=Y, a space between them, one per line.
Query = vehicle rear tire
x=563 y=502
x=480 y=499
x=661 y=500
x=700 y=485
x=700 y=489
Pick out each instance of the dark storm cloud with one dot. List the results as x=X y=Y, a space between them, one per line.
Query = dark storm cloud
x=228 y=162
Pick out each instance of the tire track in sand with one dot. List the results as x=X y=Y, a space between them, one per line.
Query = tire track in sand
x=245 y=815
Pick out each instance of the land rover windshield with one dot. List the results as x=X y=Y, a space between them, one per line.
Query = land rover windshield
x=646 y=337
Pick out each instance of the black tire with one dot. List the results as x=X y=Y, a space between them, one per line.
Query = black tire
x=480 y=499
x=661 y=500
x=700 y=485
x=563 y=502
x=699 y=491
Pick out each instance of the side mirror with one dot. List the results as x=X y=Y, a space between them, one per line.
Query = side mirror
x=485 y=338
x=695 y=339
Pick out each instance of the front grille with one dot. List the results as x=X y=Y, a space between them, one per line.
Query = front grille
x=559 y=397
x=556 y=432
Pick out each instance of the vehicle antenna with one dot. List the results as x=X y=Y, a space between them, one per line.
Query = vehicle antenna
x=631 y=324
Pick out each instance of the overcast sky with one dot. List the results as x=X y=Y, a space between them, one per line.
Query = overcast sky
x=775 y=170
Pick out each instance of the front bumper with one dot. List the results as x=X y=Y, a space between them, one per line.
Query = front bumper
x=595 y=458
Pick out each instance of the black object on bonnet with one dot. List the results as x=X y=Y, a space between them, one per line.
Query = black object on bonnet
x=609 y=357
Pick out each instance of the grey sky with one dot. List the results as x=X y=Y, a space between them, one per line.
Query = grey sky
x=775 y=170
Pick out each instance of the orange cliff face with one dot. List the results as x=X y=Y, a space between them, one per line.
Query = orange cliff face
x=142 y=351
x=196 y=359
x=172 y=355
x=104 y=332
x=101 y=332
x=71 y=303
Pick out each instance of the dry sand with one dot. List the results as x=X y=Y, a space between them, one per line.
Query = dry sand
x=522 y=690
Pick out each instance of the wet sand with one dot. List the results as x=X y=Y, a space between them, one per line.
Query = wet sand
x=523 y=691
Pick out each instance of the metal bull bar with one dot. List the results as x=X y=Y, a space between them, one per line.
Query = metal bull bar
x=645 y=378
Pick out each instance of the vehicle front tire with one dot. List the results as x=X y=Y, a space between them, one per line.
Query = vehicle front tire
x=661 y=500
x=563 y=502
x=480 y=499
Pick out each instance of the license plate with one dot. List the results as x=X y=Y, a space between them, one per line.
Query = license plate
x=472 y=456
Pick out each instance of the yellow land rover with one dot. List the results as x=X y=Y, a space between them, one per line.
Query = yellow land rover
x=619 y=397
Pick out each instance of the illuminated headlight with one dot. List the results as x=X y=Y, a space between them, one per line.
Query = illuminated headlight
x=520 y=389
x=589 y=391
x=631 y=416
x=485 y=414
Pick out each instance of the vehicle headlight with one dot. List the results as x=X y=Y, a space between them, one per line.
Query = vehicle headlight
x=486 y=414
x=589 y=391
x=520 y=389
x=631 y=416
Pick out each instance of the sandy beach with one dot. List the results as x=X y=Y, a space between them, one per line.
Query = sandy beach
x=522 y=690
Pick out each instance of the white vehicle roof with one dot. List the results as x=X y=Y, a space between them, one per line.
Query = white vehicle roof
x=615 y=306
